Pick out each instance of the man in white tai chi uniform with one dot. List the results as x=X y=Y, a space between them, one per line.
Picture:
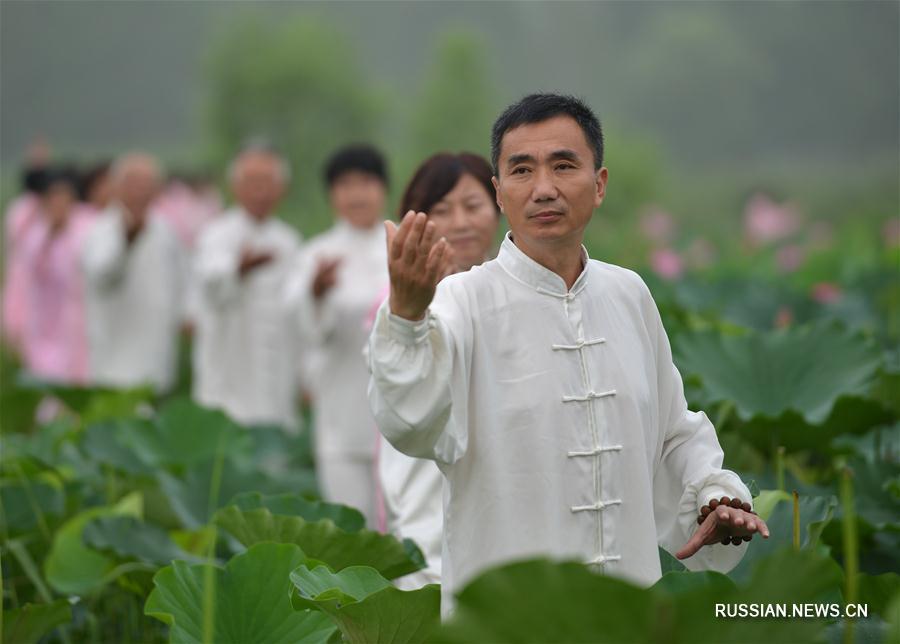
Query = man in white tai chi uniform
x=542 y=382
x=133 y=283
x=244 y=349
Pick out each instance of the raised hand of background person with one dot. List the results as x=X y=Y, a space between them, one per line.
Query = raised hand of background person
x=416 y=263
x=724 y=524
x=253 y=259
x=326 y=277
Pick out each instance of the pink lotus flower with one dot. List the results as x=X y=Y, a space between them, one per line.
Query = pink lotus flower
x=789 y=258
x=826 y=293
x=784 y=318
x=657 y=225
x=766 y=222
x=666 y=263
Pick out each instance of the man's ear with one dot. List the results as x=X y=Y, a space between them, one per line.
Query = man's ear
x=601 y=178
x=496 y=184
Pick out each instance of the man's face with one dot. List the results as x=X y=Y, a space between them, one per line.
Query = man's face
x=547 y=185
x=358 y=197
x=138 y=187
x=258 y=185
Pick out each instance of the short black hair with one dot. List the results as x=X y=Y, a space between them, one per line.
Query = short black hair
x=358 y=158
x=536 y=108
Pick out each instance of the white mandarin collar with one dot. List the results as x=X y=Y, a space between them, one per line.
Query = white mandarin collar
x=540 y=278
x=353 y=233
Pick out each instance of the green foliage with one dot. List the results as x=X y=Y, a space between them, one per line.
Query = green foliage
x=456 y=107
x=323 y=540
x=365 y=606
x=72 y=568
x=250 y=600
x=344 y=517
x=27 y=625
x=127 y=537
x=540 y=601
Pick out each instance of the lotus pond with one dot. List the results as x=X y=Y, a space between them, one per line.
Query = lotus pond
x=128 y=518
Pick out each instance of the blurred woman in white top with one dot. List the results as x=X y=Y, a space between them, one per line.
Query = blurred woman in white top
x=456 y=193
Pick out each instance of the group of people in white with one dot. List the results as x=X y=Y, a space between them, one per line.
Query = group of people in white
x=527 y=405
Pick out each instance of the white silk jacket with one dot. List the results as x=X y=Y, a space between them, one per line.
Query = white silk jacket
x=557 y=418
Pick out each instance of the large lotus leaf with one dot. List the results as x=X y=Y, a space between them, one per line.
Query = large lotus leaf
x=324 y=541
x=804 y=370
x=815 y=513
x=876 y=591
x=873 y=447
x=72 y=568
x=850 y=415
x=30 y=623
x=194 y=499
x=786 y=577
x=541 y=601
x=126 y=537
x=344 y=517
x=250 y=601
x=365 y=606
x=186 y=434
x=107 y=443
x=26 y=505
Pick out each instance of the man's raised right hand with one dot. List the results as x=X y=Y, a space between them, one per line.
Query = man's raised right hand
x=416 y=262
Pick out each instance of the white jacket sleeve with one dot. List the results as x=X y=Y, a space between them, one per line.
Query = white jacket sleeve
x=416 y=367
x=689 y=467
x=216 y=267
x=104 y=256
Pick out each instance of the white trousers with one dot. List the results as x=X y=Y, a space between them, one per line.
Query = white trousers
x=349 y=480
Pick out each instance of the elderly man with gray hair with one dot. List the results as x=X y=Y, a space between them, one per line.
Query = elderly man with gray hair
x=133 y=283
x=244 y=362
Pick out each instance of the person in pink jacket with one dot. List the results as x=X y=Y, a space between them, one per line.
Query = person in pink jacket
x=53 y=338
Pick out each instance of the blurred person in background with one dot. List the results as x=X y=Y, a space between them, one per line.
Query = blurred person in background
x=330 y=293
x=52 y=333
x=244 y=348
x=21 y=213
x=133 y=282
x=456 y=193
x=95 y=187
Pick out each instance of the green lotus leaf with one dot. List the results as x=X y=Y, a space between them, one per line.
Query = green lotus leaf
x=30 y=623
x=324 y=541
x=876 y=591
x=344 y=517
x=127 y=537
x=186 y=434
x=250 y=600
x=27 y=504
x=815 y=514
x=365 y=606
x=542 y=601
x=107 y=443
x=800 y=369
x=190 y=494
x=71 y=567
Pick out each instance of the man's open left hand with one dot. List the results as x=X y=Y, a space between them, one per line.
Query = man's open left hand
x=724 y=523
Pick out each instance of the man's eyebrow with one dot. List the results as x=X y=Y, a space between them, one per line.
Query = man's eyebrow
x=564 y=154
x=519 y=158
